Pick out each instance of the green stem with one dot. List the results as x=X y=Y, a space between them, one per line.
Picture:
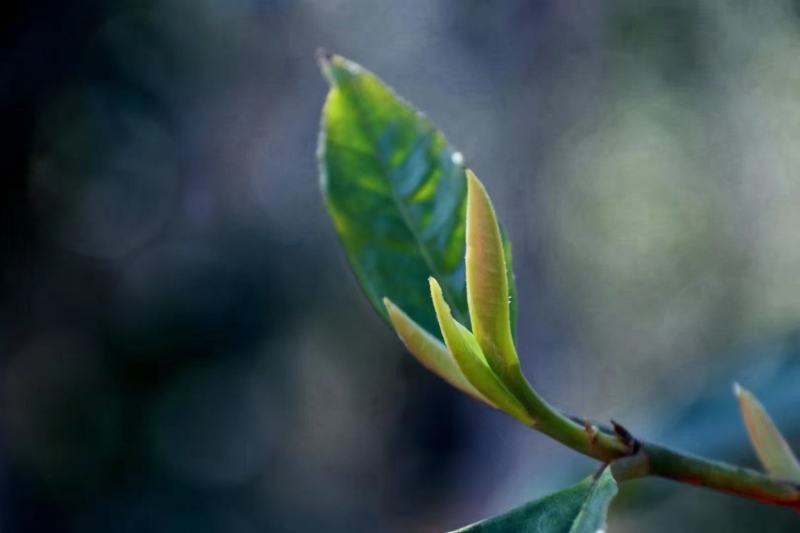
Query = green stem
x=647 y=459
x=584 y=438
x=632 y=458
x=659 y=461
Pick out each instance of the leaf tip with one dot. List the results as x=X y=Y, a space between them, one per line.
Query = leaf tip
x=440 y=308
x=474 y=184
x=436 y=289
x=324 y=60
x=475 y=189
x=392 y=310
x=323 y=56
x=737 y=390
x=335 y=68
x=399 y=319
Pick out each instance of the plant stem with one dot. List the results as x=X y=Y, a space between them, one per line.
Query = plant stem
x=631 y=458
x=647 y=459
x=662 y=462
x=584 y=438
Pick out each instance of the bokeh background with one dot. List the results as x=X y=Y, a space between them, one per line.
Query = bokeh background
x=183 y=347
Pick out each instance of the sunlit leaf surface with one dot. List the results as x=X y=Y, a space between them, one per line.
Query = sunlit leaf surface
x=396 y=192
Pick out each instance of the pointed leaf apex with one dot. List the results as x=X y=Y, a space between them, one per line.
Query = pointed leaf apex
x=323 y=56
x=434 y=285
x=324 y=60
x=473 y=179
x=337 y=69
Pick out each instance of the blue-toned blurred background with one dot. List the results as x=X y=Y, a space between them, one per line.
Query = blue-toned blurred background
x=183 y=347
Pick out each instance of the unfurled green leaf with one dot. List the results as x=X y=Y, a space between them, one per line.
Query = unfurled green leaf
x=396 y=192
x=472 y=362
x=581 y=508
x=430 y=351
x=487 y=279
x=772 y=449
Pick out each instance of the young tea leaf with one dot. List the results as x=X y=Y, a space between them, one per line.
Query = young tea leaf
x=581 y=508
x=430 y=351
x=396 y=192
x=487 y=279
x=772 y=449
x=467 y=354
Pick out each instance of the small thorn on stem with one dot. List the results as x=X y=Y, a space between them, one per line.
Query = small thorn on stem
x=625 y=436
x=591 y=430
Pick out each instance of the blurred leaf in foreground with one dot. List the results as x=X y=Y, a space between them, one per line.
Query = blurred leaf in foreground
x=771 y=447
x=581 y=508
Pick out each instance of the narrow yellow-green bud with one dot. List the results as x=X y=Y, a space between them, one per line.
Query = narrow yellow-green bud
x=487 y=280
x=429 y=351
x=469 y=357
x=772 y=449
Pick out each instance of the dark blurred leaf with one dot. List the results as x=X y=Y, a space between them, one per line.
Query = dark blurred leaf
x=578 y=509
x=396 y=192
